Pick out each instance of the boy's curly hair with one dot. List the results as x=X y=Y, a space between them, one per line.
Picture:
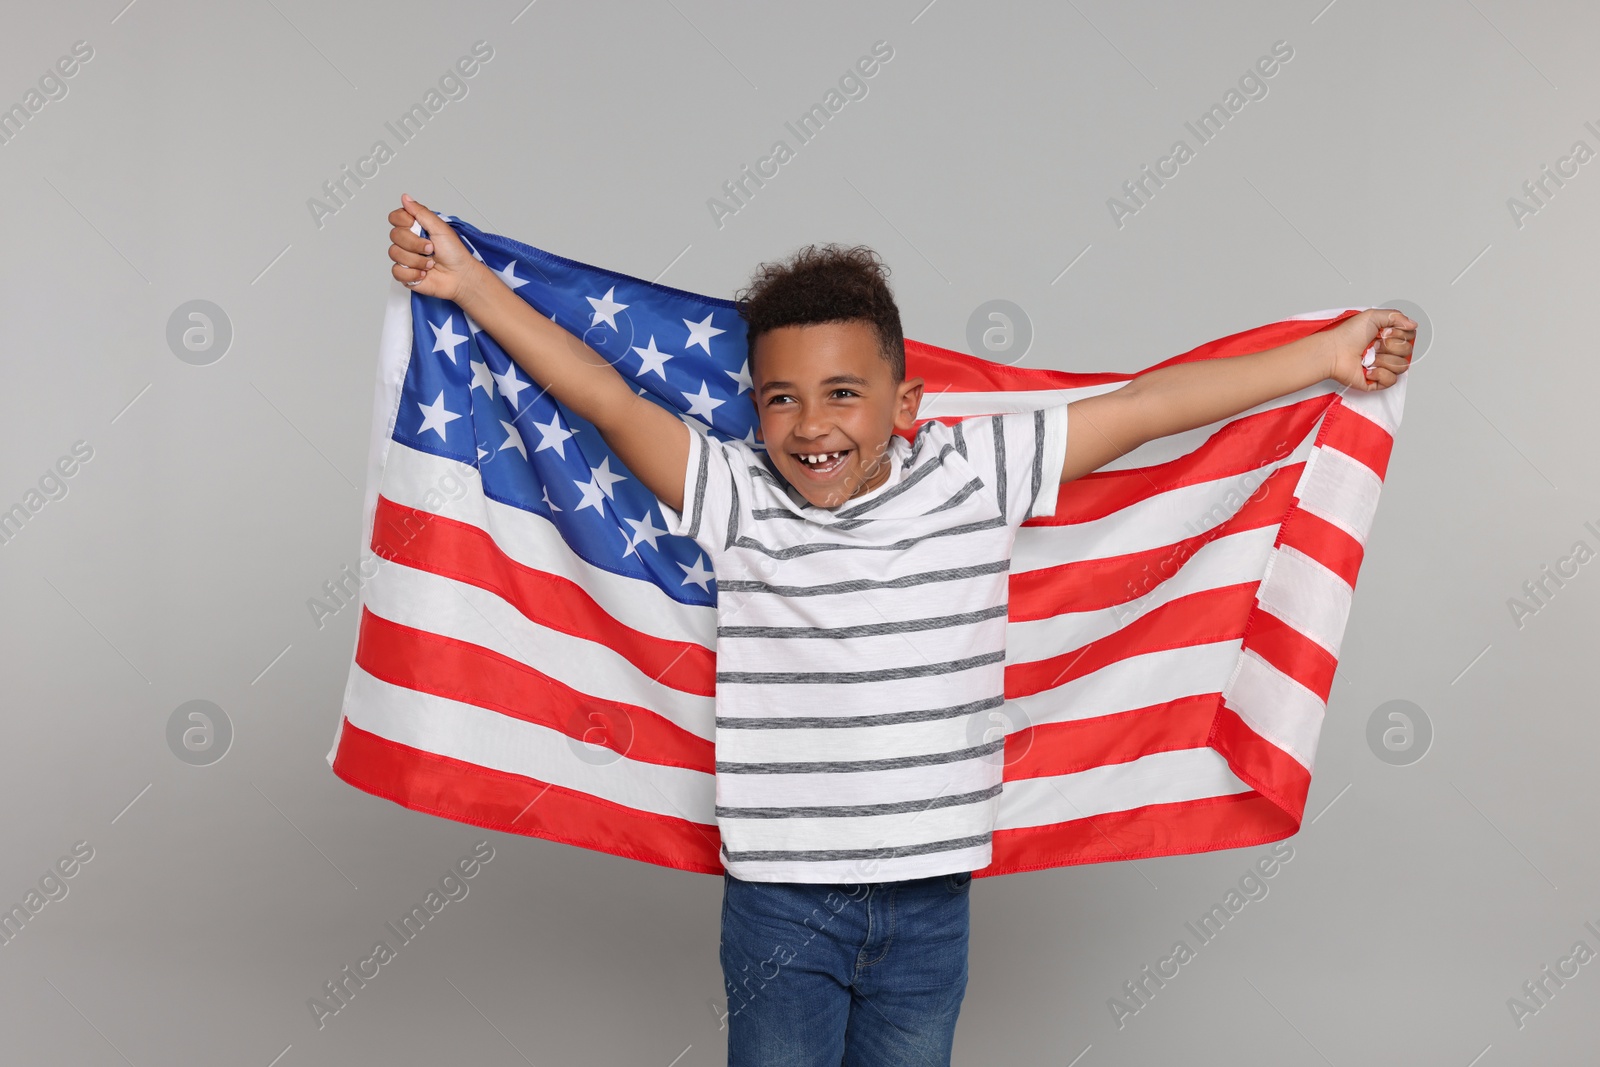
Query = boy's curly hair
x=827 y=283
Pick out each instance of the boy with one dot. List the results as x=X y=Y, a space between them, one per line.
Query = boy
x=862 y=605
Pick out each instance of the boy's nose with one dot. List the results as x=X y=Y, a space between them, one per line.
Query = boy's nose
x=813 y=425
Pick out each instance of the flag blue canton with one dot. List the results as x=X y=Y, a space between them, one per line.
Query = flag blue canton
x=465 y=399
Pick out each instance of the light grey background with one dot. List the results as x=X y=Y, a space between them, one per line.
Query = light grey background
x=219 y=498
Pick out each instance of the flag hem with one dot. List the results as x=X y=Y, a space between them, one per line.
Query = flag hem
x=394 y=357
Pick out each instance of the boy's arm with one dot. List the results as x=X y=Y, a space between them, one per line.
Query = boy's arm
x=651 y=442
x=1186 y=395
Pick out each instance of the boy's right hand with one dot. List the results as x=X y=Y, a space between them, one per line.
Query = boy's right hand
x=435 y=263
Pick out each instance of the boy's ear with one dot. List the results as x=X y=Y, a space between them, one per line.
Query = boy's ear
x=907 y=402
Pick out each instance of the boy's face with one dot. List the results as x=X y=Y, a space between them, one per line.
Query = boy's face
x=824 y=388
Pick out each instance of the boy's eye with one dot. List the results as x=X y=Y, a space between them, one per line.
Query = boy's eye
x=785 y=396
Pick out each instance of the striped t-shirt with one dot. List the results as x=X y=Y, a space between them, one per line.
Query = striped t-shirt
x=861 y=649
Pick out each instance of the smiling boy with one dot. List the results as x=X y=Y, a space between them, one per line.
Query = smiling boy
x=862 y=594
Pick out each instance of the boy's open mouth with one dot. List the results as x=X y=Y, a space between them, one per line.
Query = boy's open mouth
x=822 y=465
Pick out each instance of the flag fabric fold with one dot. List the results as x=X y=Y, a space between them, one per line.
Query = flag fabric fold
x=535 y=654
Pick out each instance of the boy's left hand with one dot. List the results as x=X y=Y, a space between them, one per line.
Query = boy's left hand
x=1393 y=334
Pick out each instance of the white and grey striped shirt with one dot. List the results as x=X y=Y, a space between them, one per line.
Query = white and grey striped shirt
x=861 y=649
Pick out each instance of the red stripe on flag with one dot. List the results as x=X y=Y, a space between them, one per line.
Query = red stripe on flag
x=1236 y=821
x=1291 y=652
x=1096 y=584
x=469 y=793
x=1197 y=619
x=1244 y=445
x=957 y=372
x=946 y=371
x=1261 y=765
x=465 y=553
x=456 y=670
x=1256 y=339
x=1359 y=438
x=1056 y=748
x=1324 y=542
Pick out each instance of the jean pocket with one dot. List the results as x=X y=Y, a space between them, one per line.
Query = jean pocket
x=958 y=882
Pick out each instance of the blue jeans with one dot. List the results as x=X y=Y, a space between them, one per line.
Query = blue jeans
x=857 y=974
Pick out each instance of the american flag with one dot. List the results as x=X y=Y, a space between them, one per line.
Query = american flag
x=536 y=655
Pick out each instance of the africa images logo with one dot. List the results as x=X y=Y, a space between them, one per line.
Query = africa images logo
x=1140 y=190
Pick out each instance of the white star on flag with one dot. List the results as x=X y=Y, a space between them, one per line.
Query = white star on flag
x=513 y=439
x=605 y=309
x=547 y=501
x=644 y=530
x=702 y=403
x=593 y=497
x=482 y=378
x=445 y=338
x=552 y=435
x=511 y=385
x=508 y=274
x=701 y=333
x=654 y=361
x=436 y=417
x=698 y=574
x=598 y=488
x=742 y=376
x=604 y=476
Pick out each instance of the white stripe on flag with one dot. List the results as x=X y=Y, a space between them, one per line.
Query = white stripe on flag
x=1134 y=682
x=1342 y=490
x=1382 y=407
x=1277 y=707
x=1308 y=596
x=1159 y=778
x=953 y=403
x=1230 y=560
x=533 y=541
x=489 y=739
x=462 y=612
x=1155 y=522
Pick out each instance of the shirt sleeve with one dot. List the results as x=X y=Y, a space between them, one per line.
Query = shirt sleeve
x=1020 y=455
x=716 y=481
